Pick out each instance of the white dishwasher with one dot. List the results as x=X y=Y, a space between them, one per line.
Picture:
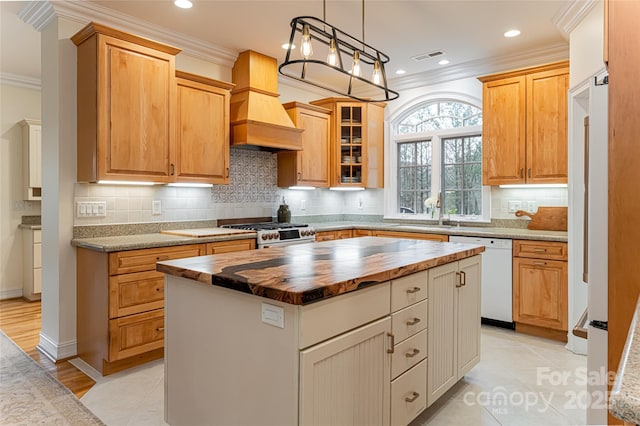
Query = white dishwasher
x=497 y=290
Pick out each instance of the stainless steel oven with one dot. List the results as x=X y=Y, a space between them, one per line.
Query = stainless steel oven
x=275 y=234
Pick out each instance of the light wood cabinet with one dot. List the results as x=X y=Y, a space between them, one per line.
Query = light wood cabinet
x=201 y=151
x=412 y=235
x=32 y=159
x=540 y=287
x=357 y=142
x=126 y=106
x=32 y=264
x=309 y=167
x=454 y=324
x=334 y=235
x=120 y=301
x=524 y=136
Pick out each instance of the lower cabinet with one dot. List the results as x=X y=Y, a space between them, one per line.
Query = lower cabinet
x=412 y=235
x=346 y=379
x=32 y=264
x=334 y=235
x=120 y=301
x=454 y=324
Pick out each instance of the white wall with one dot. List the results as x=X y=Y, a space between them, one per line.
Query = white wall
x=586 y=46
x=16 y=104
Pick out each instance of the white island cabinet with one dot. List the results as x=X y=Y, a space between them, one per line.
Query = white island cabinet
x=233 y=358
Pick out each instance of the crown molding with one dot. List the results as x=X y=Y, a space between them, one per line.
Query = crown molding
x=476 y=68
x=568 y=18
x=40 y=13
x=20 y=81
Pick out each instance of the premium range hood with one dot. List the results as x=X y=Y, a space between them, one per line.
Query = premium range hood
x=258 y=119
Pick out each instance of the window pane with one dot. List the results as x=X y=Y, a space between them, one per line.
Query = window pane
x=473 y=202
x=473 y=149
x=407 y=178
x=472 y=176
x=420 y=201
x=406 y=156
x=407 y=202
x=452 y=202
x=452 y=151
x=453 y=177
x=424 y=153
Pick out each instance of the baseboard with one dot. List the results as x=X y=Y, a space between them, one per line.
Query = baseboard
x=57 y=351
x=10 y=294
x=546 y=333
x=498 y=323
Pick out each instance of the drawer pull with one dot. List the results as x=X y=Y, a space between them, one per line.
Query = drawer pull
x=413 y=353
x=540 y=250
x=413 y=290
x=539 y=263
x=393 y=343
x=459 y=279
x=159 y=329
x=463 y=276
x=413 y=321
x=163 y=257
x=413 y=397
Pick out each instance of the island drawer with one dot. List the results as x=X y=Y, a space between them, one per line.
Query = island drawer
x=540 y=249
x=409 y=395
x=409 y=321
x=408 y=353
x=408 y=290
x=134 y=293
x=136 y=334
x=328 y=318
x=124 y=262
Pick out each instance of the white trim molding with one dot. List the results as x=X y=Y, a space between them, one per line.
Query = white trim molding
x=20 y=81
x=568 y=18
x=40 y=13
x=57 y=351
x=11 y=294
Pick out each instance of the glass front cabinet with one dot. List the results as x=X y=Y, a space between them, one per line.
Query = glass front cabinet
x=357 y=142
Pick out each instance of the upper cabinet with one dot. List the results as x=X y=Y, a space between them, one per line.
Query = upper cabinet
x=357 y=142
x=126 y=106
x=201 y=152
x=310 y=166
x=32 y=159
x=524 y=136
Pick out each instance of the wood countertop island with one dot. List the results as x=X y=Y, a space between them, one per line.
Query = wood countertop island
x=301 y=274
x=366 y=330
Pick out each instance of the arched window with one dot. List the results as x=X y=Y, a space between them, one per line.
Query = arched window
x=438 y=156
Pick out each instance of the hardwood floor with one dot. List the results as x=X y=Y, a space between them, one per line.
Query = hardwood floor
x=22 y=321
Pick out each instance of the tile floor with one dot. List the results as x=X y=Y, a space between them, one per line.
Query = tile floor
x=517 y=382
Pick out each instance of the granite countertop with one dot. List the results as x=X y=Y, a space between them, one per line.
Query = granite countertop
x=307 y=273
x=471 y=231
x=142 y=241
x=29 y=226
x=624 y=403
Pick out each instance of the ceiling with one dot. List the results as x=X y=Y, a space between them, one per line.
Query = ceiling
x=470 y=32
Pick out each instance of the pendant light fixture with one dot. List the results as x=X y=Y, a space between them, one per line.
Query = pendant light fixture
x=363 y=79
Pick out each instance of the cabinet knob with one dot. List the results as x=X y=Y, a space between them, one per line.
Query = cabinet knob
x=299 y=176
x=413 y=290
x=173 y=169
x=413 y=397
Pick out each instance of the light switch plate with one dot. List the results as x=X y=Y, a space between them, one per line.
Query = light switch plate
x=273 y=315
x=514 y=205
x=156 y=207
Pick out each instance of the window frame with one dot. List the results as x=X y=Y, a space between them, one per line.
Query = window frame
x=391 y=189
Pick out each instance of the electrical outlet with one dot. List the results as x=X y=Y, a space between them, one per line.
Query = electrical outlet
x=156 y=207
x=531 y=206
x=514 y=205
x=303 y=204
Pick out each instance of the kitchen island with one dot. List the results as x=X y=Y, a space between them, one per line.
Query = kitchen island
x=360 y=331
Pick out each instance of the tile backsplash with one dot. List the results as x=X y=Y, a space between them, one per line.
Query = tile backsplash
x=548 y=197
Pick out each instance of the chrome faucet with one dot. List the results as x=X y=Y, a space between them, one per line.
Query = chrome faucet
x=439 y=207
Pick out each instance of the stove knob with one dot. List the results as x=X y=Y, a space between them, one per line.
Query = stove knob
x=276 y=236
x=303 y=233
x=264 y=236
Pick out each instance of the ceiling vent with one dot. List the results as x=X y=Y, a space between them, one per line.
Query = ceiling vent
x=429 y=55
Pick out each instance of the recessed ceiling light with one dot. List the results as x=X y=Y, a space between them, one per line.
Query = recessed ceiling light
x=183 y=4
x=400 y=72
x=512 y=33
x=285 y=46
x=443 y=62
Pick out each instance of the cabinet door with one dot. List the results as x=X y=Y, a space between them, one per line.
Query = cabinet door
x=469 y=314
x=349 y=153
x=503 y=134
x=412 y=235
x=374 y=173
x=442 y=326
x=201 y=151
x=540 y=293
x=313 y=160
x=346 y=380
x=136 y=111
x=547 y=155
x=230 y=246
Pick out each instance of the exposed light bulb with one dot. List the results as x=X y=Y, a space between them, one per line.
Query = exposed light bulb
x=355 y=69
x=377 y=73
x=332 y=57
x=183 y=4
x=306 y=49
